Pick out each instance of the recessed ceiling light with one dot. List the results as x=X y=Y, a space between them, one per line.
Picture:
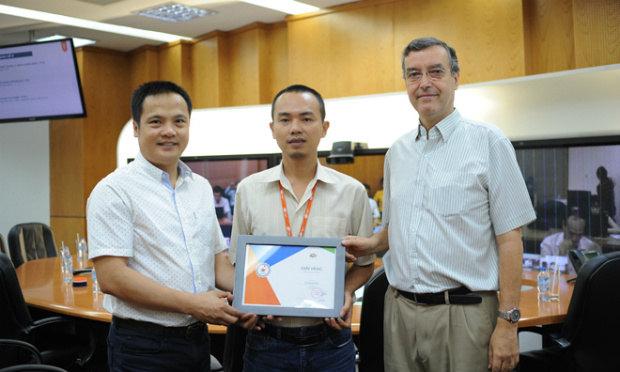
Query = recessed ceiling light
x=77 y=41
x=173 y=12
x=92 y=25
x=285 y=6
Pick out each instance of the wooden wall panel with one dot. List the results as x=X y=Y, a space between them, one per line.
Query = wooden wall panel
x=143 y=66
x=241 y=77
x=108 y=74
x=344 y=53
x=366 y=169
x=67 y=167
x=487 y=35
x=597 y=32
x=65 y=228
x=206 y=72
x=549 y=36
x=175 y=64
x=276 y=62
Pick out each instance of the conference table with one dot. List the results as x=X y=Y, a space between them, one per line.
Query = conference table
x=41 y=284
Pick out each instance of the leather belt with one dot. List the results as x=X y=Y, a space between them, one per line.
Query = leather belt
x=457 y=296
x=300 y=336
x=192 y=331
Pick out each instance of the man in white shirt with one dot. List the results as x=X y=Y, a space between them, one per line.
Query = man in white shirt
x=559 y=244
x=454 y=203
x=157 y=247
x=300 y=197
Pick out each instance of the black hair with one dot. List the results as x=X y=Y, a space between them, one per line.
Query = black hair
x=154 y=88
x=299 y=88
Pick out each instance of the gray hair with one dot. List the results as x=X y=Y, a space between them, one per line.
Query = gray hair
x=427 y=42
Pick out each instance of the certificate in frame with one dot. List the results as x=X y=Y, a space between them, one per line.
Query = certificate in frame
x=289 y=276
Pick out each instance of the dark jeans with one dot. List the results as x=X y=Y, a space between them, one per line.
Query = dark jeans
x=265 y=353
x=134 y=350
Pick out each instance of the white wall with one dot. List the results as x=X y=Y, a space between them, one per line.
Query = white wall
x=24 y=174
x=573 y=103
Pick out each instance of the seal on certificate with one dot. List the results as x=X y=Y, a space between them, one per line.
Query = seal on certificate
x=263 y=269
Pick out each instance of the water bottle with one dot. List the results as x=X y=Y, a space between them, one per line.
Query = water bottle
x=67 y=264
x=96 y=289
x=543 y=282
x=82 y=253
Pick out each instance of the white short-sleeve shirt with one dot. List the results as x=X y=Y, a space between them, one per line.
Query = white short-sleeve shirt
x=170 y=235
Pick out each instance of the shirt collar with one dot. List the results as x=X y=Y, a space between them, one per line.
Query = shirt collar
x=160 y=175
x=443 y=129
x=277 y=174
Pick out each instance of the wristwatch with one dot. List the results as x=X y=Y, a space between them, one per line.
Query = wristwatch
x=513 y=315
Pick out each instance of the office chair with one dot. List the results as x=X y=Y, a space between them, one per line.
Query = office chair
x=33 y=368
x=18 y=355
x=13 y=352
x=59 y=339
x=29 y=241
x=371 y=323
x=588 y=340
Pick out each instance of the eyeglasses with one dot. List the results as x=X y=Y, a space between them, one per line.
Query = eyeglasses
x=415 y=76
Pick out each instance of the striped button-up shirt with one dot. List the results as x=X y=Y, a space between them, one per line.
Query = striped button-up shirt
x=448 y=193
x=170 y=235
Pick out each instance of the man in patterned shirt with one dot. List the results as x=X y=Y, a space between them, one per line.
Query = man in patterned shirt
x=157 y=246
x=454 y=203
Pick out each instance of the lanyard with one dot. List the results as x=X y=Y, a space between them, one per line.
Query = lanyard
x=287 y=221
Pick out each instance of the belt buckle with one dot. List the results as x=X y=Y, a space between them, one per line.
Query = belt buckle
x=307 y=341
x=194 y=330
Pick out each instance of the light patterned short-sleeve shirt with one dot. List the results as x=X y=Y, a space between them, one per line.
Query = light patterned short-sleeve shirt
x=448 y=193
x=170 y=235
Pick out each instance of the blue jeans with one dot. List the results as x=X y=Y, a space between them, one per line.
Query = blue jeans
x=264 y=353
x=132 y=350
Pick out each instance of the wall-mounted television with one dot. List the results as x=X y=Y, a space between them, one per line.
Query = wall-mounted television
x=40 y=81
x=572 y=176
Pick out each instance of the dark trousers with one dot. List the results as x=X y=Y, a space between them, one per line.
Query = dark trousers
x=131 y=349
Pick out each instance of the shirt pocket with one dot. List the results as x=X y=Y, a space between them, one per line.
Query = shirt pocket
x=328 y=227
x=455 y=193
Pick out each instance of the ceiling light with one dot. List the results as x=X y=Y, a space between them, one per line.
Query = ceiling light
x=77 y=41
x=285 y=6
x=173 y=12
x=92 y=25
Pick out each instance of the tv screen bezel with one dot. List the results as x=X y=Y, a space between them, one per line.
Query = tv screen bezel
x=77 y=76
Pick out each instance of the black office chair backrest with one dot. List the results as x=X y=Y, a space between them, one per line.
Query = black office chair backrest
x=371 y=323
x=14 y=315
x=592 y=323
x=33 y=368
x=29 y=241
x=14 y=352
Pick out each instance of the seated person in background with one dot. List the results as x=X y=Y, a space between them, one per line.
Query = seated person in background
x=374 y=207
x=379 y=196
x=224 y=218
x=560 y=243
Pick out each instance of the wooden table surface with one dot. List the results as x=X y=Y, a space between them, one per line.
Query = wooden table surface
x=41 y=283
x=42 y=286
